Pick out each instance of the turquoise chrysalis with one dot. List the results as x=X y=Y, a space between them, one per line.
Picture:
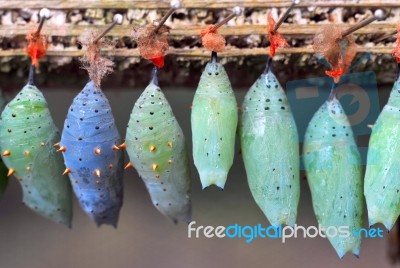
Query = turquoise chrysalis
x=333 y=168
x=382 y=184
x=27 y=135
x=214 y=121
x=270 y=149
x=157 y=149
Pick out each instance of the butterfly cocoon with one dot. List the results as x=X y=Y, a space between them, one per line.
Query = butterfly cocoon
x=333 y=169
x=382 y=184
x=214 y=121
x=94 y=166
x=27 y=135
x=156 y=147
x=270 y=150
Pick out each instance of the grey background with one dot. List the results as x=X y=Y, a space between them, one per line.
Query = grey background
x=144 y=238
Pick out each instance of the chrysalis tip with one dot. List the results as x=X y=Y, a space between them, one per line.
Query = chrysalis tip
x=115 y=147
x=122 y=146
x=118 y=19
x=214 y=57
x=154 y=167
x=129 y=165
x=66 y=171
x=62 y=149
x=44 y=13
x=154 y=76
x=10 y=172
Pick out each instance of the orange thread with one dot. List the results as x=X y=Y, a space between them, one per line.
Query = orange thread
x=152 y=45
x=36 y=47
x=211 y=40
x=96 y=65
x=338 y=51
x=275 y=38
x=396 y=50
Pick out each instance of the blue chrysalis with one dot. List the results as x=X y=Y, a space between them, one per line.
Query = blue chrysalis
x=94 y=165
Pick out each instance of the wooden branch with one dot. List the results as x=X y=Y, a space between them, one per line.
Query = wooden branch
x=148 y=4
x=189 y=30
x=191 y=53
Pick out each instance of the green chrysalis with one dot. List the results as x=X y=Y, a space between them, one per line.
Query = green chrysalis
x=27 y=136
x=333 y=168
x=270 y=150
x=214 y=122
x=157 y=149
x=382 y=184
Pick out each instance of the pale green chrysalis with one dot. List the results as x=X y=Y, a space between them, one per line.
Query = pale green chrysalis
x=382 y=182
x=157 y=149
x=27 y=138
x=270 y=150
x=214 y=121
x=333 y=169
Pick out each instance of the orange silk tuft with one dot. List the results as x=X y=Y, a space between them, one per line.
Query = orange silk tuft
x=152 y=45
x=396 y=50
x=212 y=40
x=96 y=65
x=338 y=51
x=36 y=47
x=275 y=38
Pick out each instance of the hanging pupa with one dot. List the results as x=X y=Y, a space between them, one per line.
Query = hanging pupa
x=269 y=139
x=89 y=143
x=330 y=153
x=214 y=121
x=333 y=168
x=27 y=135
x=156 y=147
x=382 y=186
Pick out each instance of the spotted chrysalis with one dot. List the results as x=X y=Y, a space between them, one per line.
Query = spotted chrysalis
x=382 y=185
x=95 y=166
x=90 y=140
x=270 y=149
x=157 y=149
x=27 y=135
x=214 y=121
x=333 y=168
